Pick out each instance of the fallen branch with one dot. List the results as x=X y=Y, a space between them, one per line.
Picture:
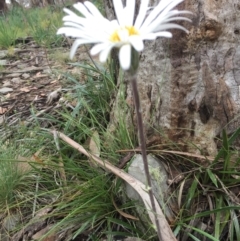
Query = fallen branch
x=30 y=69
x=166 y=232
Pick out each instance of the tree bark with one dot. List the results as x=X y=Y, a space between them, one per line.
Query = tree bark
x=3 y=7
x=190 y=85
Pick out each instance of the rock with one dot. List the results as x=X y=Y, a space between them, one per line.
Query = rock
x=3 y=62
x=26 y=76
x=22 y=66
x=10 y=222
x=16 y=80
x=2 y=121
x=47 y=71
x=5 y=90
x=7 y=83
x=3 y=53
x=159 y=183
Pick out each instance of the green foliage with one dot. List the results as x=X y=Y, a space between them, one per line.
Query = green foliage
x=214 y=182
x=12 y=174
x=10 y=28
x=43 y=25
x=39 y=23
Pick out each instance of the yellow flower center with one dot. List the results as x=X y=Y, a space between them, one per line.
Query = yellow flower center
x=130 y=30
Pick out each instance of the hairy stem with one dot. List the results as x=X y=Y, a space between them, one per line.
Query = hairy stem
x=142 y=144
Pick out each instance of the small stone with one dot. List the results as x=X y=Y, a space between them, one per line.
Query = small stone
x=10 y=222
x=16 y=80
x=159 y=179
x=7 y=84
x=22 y=66
x=5 y=90
x=3 y=62
x=3 y=53
x=47 y=71
x=26 y=76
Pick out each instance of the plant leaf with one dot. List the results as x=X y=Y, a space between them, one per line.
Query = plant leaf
x=126 y=215
x=212 y=177
x=94 y=144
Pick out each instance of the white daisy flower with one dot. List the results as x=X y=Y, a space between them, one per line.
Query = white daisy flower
x=124 y=32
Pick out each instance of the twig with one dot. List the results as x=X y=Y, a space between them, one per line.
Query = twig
x=31 y=69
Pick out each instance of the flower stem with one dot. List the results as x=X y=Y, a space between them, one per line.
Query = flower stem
x=142 y=144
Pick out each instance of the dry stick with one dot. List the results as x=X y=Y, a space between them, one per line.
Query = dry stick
x=166 y=232
x=142 y=144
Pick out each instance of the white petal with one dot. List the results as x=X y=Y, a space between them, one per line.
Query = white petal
x=76 y=32
x=164 y=34
x=76 y=44
x=170 y=6
x=168 y=26
x=142 y=13
x=74 y=25
x=75 y=19
x=119 y=11
x=159 y=11
x=178 y=18
x=96 y=49
x=136 y=42
x=176 y=12
x=69 y=12
x=71 y=32
x=123 y=35
x=104 y=54
x=130 y=7
x=82 y=9
x=153 y=36
x=125 y=56
x=93 y=10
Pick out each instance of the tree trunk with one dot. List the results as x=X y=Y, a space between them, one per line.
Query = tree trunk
x=15 y=3
x=190 y=85
x=3 y=7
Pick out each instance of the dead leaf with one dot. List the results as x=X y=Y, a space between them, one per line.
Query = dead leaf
x=38 y=73
x=54 y=95
x=25 y=89
x=3 y=110
x=42 y=232
x=54 y=81
x=7 y=95
x=126 y=215
x=23 y=163
x=94 y=144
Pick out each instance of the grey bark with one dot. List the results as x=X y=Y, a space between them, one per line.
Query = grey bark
x=3 y=7
x=190 y=84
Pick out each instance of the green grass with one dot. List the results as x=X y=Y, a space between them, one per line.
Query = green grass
x=210 y=199
x=40 y=23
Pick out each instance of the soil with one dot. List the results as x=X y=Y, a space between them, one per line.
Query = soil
x=32 y=79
